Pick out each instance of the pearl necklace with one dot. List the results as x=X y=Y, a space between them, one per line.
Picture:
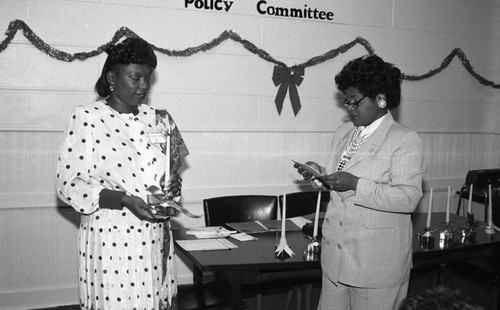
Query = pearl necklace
x=353 y=145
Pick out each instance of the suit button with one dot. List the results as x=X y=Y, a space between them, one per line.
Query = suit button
x=341 y=223
x=339 y=246
x=371 y=150
x=327 y=220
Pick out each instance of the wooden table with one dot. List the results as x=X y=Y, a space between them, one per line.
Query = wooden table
x=254 y=261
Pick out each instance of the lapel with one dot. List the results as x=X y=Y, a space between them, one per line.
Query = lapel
x=340 y=146
x=374 y=142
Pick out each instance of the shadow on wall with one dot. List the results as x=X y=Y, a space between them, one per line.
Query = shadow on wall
x=68 y=213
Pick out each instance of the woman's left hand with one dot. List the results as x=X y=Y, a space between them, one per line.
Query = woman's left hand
x=340 y=181
x=173 y=187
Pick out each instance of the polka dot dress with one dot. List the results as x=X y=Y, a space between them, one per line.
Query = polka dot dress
x=120 y=257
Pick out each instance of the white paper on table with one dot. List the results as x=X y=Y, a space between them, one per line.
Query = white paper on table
x=243 y=237
x=299 y=221
x=210 y=232
x=206 y=244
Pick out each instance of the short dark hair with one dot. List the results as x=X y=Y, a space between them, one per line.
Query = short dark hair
x=372 y=76
x=129 y=51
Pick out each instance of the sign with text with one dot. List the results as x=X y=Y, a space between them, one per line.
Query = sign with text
x=263 y=7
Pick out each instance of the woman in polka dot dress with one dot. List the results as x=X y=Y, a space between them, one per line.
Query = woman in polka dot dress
x=113 y=151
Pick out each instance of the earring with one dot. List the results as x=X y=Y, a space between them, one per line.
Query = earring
x=382 y=104
x=111 y=87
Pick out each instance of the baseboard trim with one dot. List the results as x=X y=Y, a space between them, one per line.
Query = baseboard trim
x=39 y=298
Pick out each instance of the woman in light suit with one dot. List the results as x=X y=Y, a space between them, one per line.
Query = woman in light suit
x=375 y=177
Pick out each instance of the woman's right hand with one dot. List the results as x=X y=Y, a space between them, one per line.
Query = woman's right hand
x=141 y=209
x=303 y=173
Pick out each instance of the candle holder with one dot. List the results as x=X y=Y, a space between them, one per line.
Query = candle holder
x=490 y=232
x=426 y=238
x=446 y=236
x=468 y=233
x=312 y=251
x=469 y=221
x=283 y=251
x=283 y=255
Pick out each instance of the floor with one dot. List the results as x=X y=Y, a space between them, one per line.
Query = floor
x=273 y=301
x=484 y=296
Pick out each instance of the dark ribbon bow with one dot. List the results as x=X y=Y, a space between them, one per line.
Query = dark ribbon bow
x=288 y=79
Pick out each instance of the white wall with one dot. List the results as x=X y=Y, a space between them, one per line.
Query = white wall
x=222 y=100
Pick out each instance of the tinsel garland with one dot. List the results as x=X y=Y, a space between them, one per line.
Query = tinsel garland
x=290 y=73
x=465 y=62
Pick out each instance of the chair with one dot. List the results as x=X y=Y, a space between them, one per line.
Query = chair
x=212 y=297
x=231 y=209
x=481 y=179
x=298 y=204
x=304 y=203
x=479 y=195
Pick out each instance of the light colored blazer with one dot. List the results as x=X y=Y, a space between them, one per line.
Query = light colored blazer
x=367 y=233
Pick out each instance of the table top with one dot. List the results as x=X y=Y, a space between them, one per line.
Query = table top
x=260 y=253
x=459 y=248
x=250 y=253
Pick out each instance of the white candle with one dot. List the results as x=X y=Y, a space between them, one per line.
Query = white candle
x=316 y=217
x=490 y=215
x=448 y=206
x=278 y=215
x=167 y=159
x=283 y=217
x=429 y=212
x=469 y=208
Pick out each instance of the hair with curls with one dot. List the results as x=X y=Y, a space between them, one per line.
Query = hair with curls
x=129 y=51
x=371 y=75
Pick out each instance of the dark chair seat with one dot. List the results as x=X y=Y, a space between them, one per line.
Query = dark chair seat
x=231 y=209
x=303 y=203
x=478 y=195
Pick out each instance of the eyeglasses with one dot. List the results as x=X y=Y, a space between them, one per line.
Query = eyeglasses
x=353 y=103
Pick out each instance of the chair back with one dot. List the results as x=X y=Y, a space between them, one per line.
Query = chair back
x=231 y=209
x=303 y=203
